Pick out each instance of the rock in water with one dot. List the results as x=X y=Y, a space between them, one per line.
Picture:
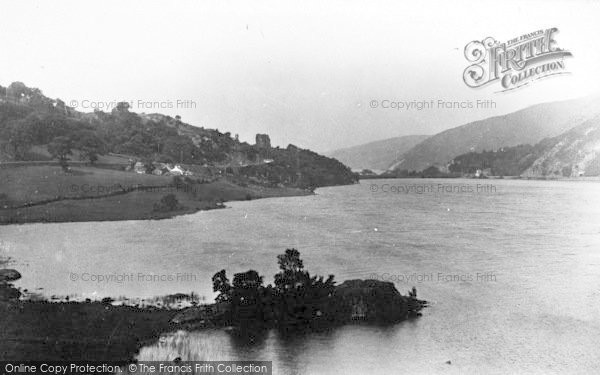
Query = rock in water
x=8 y=275
x=374 y=301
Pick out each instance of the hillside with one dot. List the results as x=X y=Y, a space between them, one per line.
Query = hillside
x=527 y=126
x=506 y=161
x=32 y=126
x=378 y=155
x=574 y=153
x=61 y=165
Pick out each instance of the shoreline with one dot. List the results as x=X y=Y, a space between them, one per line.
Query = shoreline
x=523 y=178
x=100 y=329
x=153 y=217
x=136 y=203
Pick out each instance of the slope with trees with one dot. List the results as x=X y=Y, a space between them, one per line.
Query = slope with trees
x=28 y=119
x=527 y=126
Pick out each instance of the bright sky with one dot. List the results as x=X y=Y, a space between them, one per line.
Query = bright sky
x=304 y=72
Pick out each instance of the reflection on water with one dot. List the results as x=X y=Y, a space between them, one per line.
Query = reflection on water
x=349 y=349
x=186 y=346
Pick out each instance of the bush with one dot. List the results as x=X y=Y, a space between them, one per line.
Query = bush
x=167 y=203
x=185 y=184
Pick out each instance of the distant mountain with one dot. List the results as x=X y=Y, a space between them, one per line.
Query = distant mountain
x=574 y=153
x=527 y=126
x=378 y=155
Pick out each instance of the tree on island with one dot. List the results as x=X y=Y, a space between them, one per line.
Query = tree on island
x=297 y=300
x=291 y=267
x=301 y=298
x=60 y=148
x=222 y=286
x=247 y=297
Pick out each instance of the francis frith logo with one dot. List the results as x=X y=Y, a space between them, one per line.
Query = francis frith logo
x=514 y=63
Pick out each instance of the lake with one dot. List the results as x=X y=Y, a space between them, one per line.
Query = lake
x=511 y=269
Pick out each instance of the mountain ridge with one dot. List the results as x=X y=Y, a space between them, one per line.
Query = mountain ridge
x=376 y=155
x=526 y=126
x=574 y=153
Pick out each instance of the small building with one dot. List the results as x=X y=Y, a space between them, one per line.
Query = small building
x=481 y=173
x=139 y=168
x=177 y=170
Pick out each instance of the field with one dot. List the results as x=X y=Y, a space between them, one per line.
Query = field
x=32 y=184
x=45 y=193
x=77 y=331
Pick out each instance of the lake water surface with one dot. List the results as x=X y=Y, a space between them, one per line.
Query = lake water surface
x=512 y=274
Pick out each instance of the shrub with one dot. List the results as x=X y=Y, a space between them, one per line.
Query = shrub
x=167 y=203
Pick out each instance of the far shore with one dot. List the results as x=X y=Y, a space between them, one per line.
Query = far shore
x=524 y=178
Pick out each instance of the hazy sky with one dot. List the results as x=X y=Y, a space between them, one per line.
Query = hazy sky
x=304 y=72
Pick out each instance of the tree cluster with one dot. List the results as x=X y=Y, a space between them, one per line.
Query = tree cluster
x=296 y=300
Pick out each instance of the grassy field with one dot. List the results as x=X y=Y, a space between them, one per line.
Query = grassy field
x=48 y=194
x=77 y=331
x=38 y=183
